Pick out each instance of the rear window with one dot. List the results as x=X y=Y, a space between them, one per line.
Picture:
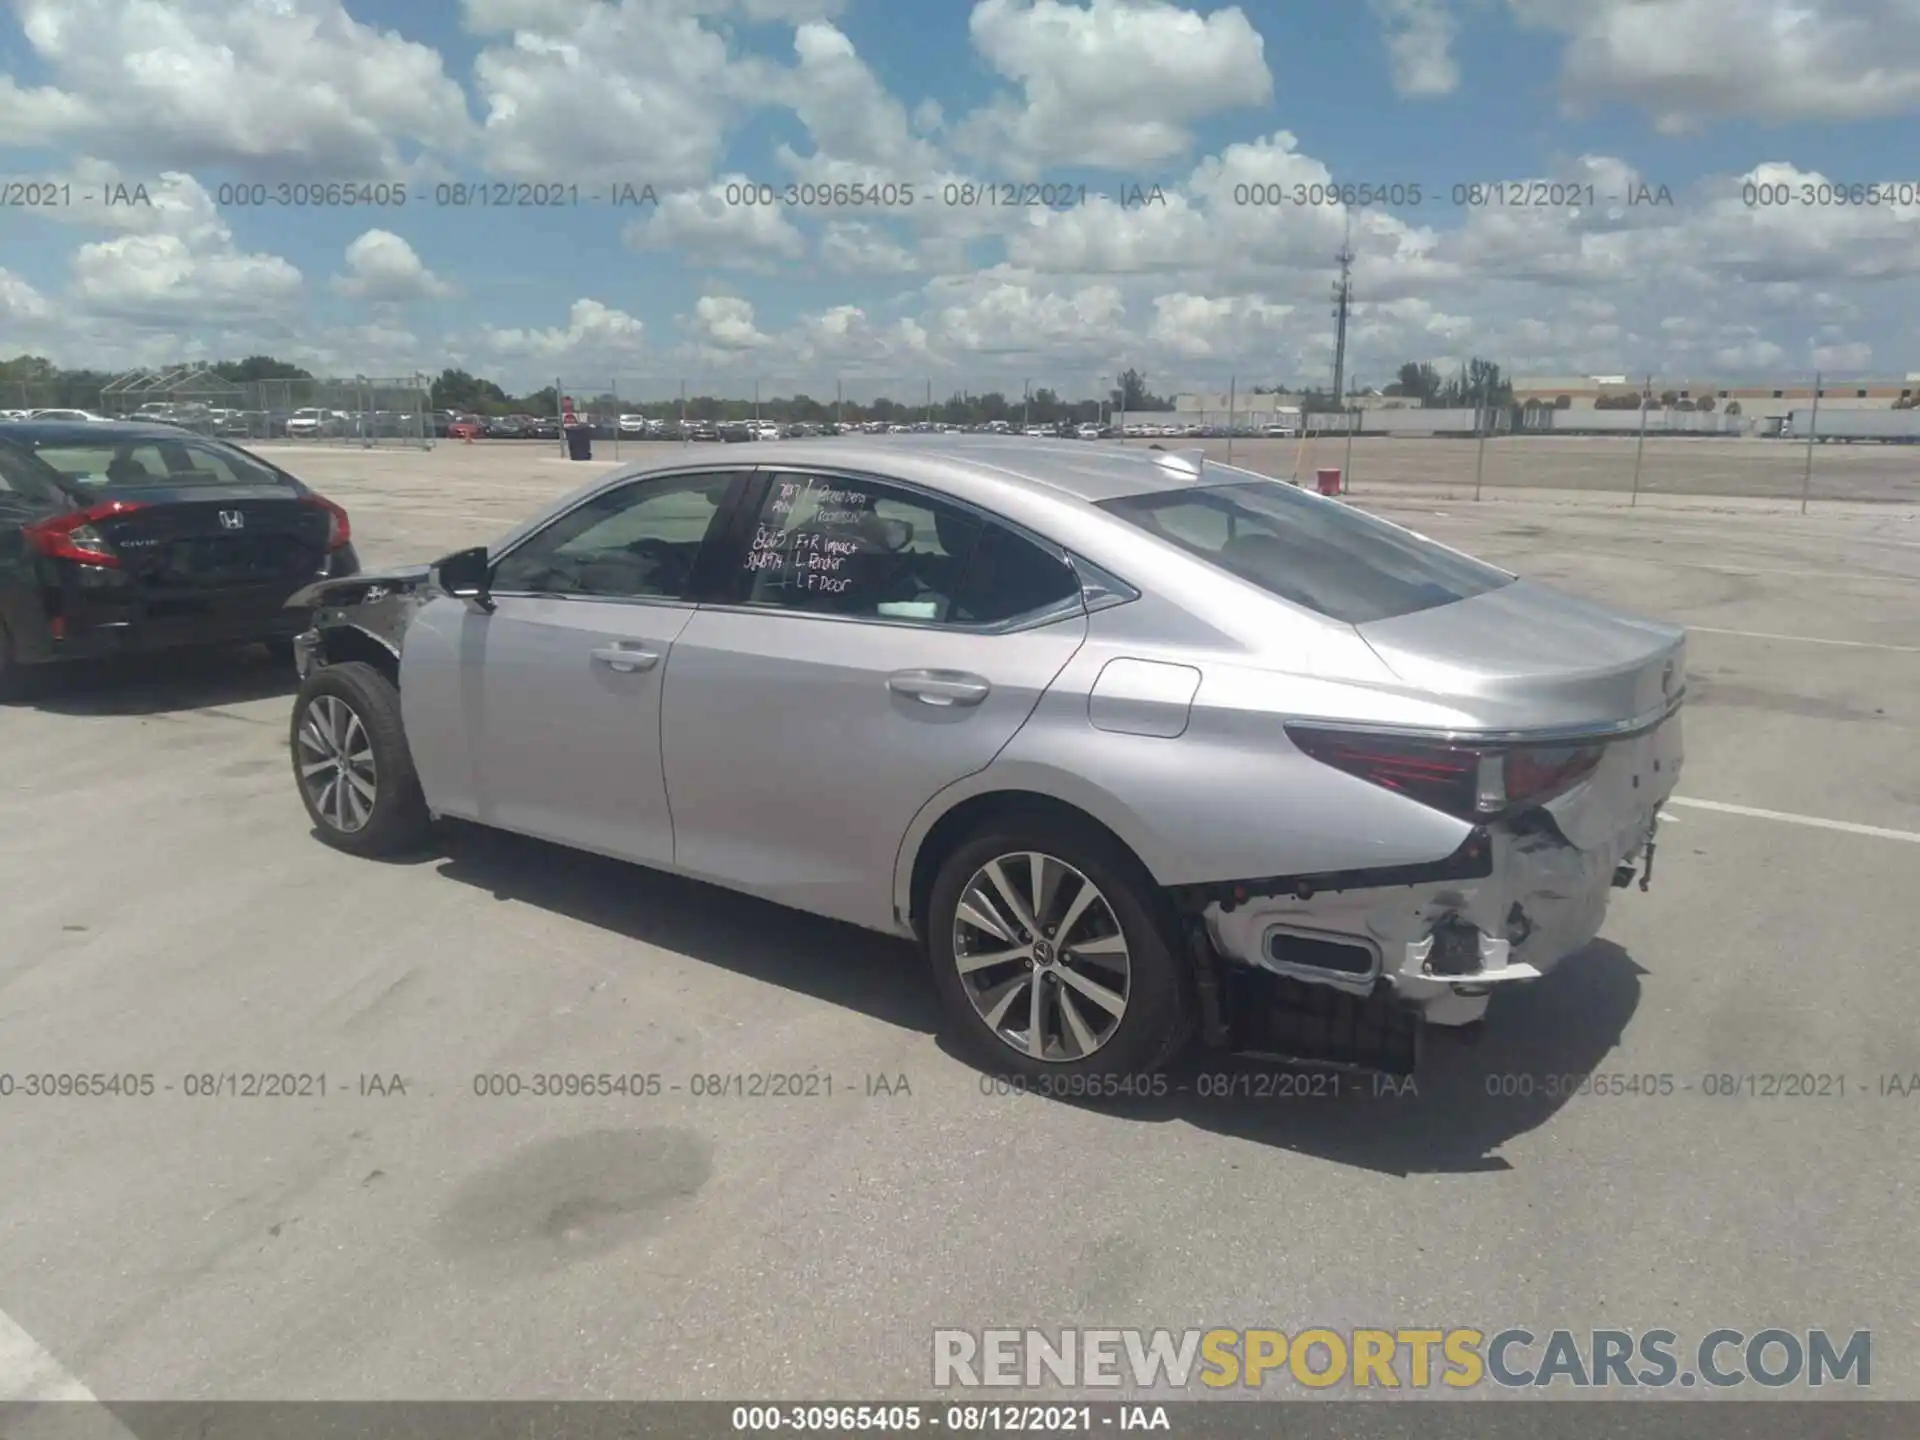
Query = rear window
x=154 y=462
x=1326 y=557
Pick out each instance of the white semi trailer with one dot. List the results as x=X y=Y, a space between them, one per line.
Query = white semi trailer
x=1891 y=427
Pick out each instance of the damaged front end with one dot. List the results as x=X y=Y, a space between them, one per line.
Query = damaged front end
x=361 y=617
x=1348 y=968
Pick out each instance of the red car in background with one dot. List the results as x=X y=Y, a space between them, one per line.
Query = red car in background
x=467 y=427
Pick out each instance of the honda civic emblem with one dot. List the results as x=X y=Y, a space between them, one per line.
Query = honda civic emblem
x=232 y=520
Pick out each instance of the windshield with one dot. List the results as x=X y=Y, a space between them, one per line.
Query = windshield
x=1318 y=554
x=147 y=461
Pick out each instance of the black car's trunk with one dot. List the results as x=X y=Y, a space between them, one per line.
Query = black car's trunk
x=199 y=542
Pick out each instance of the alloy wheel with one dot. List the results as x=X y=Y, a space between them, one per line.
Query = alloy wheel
x=1042 y=956
x=336 y=764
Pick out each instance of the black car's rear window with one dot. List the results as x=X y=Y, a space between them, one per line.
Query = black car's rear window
x=1329 y=558
x=143 y=460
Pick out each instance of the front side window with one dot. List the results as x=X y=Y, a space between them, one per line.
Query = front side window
x=638 y=541
x=1325 y=557
x=829 y=546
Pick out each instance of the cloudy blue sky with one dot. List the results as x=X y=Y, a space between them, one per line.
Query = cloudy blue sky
x=211 y=103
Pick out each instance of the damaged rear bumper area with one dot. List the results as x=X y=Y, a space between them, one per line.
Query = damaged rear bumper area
x=1349 y=968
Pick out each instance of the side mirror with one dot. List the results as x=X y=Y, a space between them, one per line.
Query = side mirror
x=465 y=574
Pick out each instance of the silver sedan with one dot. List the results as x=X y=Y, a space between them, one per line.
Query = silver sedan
x=1134 y=745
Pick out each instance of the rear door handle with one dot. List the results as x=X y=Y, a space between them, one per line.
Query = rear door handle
x=623 y=658
x=939 y=687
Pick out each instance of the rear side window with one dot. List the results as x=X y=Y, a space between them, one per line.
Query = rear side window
x=863 y=548
x=1328 y=558
x=21 y=474
x=1008 y=577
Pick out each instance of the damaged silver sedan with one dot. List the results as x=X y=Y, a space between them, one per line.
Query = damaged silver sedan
x=1133 y=745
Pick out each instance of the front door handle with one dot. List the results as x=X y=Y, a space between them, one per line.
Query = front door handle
x=939 y=687
x=625 y=659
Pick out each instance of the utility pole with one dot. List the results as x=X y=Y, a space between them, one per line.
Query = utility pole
x=1343 y=302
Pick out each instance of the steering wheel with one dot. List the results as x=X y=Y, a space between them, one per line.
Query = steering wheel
x=666 y=558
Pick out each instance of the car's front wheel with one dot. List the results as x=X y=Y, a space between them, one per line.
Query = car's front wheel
x=351 y=763
x=1053 y=950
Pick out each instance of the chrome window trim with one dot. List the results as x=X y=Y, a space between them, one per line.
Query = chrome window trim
x=1100 y=588
x=1066 y=610
x=594 y=599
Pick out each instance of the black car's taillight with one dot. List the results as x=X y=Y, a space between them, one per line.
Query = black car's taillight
x=339 y=528
x=73 y=537
x=1467 y=781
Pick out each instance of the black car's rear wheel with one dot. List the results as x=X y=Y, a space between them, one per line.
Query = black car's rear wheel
x=1053 y=952
x=351 y=763
x=16 y=680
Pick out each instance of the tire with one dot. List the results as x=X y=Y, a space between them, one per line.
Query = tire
x=1128 y=910
x=354 y=710
x=17 y=681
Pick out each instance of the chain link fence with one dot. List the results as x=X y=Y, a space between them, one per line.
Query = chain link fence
x=1801 y=439
x=363 y=411
x=1855 y=448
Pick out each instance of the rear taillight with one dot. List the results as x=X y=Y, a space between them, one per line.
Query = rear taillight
x=1434 y=774
x=339 y=528
x=1530 y=776
x=72 y=537
x=1470 y=782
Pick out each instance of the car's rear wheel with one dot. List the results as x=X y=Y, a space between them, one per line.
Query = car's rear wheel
x=16 y=680
x=1054 y=953
x=351 y=763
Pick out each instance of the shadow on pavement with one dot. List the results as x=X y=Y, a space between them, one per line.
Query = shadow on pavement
x=1474 y=1092
x=841 y=964
x=162 y=683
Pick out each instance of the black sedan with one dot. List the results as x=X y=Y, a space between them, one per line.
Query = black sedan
x=120 y=538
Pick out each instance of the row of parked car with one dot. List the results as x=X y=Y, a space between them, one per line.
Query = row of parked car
x=312 y=422
x=453 y=425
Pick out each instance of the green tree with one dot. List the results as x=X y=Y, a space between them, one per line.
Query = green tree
x=458 y=390
x=258 y=367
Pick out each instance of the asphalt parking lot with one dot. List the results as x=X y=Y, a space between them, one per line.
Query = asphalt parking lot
x=169 y=914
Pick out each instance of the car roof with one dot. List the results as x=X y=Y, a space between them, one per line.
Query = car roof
x=83 y=432
x=976 y=466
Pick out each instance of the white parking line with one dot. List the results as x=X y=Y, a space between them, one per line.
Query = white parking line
x=28 y=1374
x=1807 y=639
x=1878 y=832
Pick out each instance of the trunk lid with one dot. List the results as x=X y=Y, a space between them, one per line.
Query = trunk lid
x=1526 y=657
x=198 y=539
